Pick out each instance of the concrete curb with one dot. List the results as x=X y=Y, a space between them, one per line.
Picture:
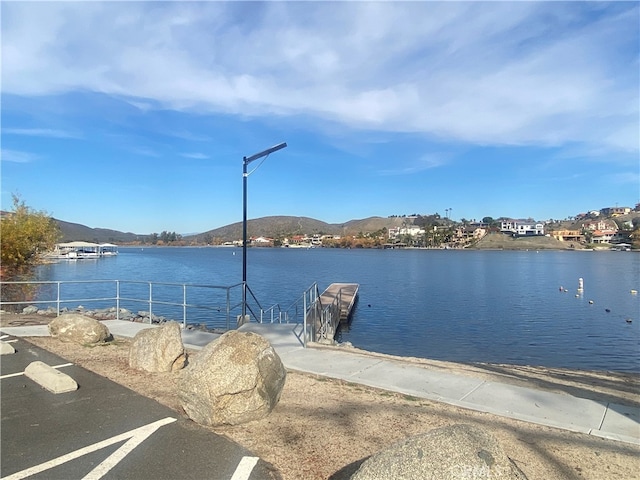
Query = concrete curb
x=48 y=377
x=6 y=348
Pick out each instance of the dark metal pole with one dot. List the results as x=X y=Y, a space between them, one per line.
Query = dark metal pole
x=246 y=161
x=244 y=237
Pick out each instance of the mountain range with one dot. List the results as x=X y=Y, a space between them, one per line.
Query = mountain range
x=75 y=231
x=274 y=226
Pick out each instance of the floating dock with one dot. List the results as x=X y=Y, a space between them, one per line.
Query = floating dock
x=345 y=293
x=333 y=307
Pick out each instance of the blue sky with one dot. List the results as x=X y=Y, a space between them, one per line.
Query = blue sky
x=136 y=116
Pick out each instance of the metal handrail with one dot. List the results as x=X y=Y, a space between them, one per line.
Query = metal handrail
x=330 y=318
x=275 y=308
x=303 y=312
x=59 y=300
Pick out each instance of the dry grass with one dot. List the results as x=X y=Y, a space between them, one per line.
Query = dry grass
x=323 y=428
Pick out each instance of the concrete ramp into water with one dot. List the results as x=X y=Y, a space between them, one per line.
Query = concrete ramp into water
x=282 y=336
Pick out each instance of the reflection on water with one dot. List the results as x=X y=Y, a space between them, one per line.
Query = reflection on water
x=465 y=306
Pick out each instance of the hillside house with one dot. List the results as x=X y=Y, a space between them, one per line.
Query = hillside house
x=615 y=211
x=521 y=228
x=603 y=236
x=261 y=242
x=299 y=241
x=601 y=224
x=330 y=237
x=412 y=231
x=569 y=236
x=467 y=233
x=601 y=230
x=296 y=239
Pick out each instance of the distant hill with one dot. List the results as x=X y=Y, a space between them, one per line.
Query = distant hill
x=274 y=227
x=75 y=231
x=284 y=226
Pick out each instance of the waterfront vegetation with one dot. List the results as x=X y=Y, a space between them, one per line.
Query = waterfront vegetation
x=26 y=235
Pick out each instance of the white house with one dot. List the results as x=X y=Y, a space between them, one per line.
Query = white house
x=412 y=231
x=261 y=241
x=522 y=227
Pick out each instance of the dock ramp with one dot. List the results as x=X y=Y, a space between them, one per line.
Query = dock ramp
x=334 y=305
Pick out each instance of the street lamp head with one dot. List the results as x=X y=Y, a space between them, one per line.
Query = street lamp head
x=264 y=153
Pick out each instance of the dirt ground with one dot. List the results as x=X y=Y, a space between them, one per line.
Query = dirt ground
x=324 y=428
x=500 y=241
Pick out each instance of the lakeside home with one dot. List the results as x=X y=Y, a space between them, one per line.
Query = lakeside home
x=522 y=227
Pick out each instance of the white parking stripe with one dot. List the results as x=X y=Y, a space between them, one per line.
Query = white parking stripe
x=139 y=434
x=244 y=468
x=9 y=375
x=142 y=434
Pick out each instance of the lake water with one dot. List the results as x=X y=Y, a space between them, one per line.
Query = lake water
x=463 y=306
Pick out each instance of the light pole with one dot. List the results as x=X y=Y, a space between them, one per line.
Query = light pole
x=246 y=161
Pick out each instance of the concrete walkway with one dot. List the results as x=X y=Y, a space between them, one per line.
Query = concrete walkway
x=560 y=410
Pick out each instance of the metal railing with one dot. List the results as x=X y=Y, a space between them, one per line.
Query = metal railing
x=212 y=305
x=313 y=320
x=274 y=313
x=303 y=312
x=330 y=318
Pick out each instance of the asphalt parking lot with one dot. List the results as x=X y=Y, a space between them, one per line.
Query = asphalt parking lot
x=104 y=431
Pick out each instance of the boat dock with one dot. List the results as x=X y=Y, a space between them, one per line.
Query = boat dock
x=334 y=306
x=82 y=250
x=345 y=294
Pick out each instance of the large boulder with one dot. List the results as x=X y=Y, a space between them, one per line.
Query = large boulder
x=76 y=328
x=235 y=379
x=450 y=453
x=158 y=349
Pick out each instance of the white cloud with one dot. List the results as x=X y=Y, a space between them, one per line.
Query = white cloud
x=625 y=178
x=482 y=73
x=40 y=132
x=197 y=156
x=144 y=151
x=426 y=162
x=15 y=156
